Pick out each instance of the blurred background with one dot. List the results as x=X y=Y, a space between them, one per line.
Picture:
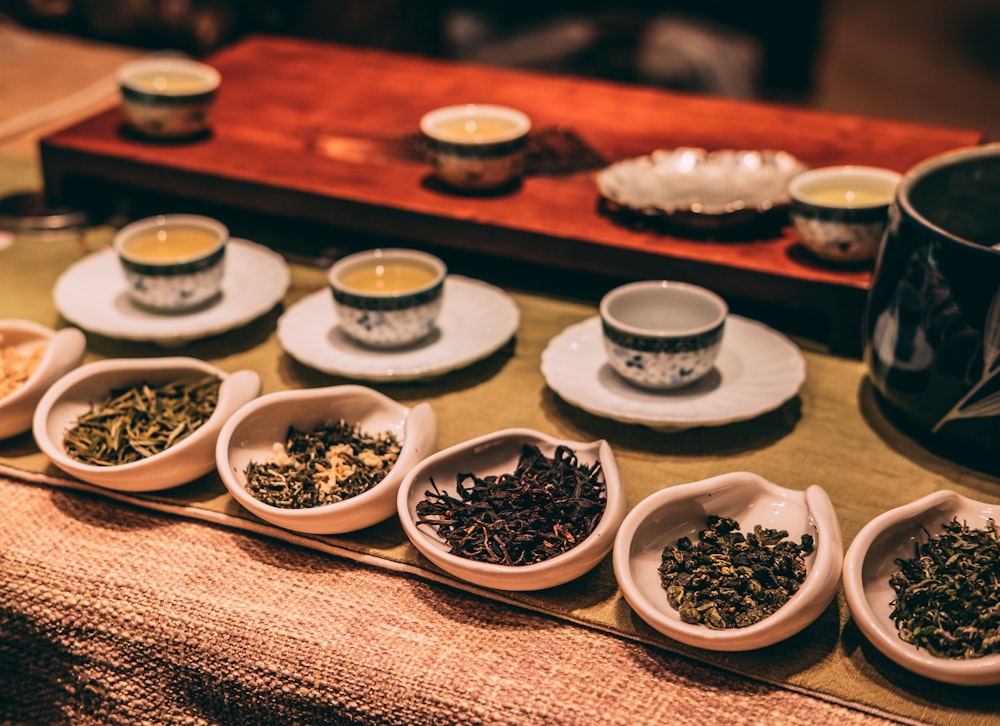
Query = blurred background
x=924 y=60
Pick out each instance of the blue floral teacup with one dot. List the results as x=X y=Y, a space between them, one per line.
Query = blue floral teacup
x=660 y=334
x=388 y=298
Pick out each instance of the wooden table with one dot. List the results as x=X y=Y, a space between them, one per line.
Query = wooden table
x=305 y=131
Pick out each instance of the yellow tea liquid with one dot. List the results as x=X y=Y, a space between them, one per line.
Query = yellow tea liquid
x=172 y=82
x=388 y=277
x=480 y=128
x=172 y=244
x=850 y=196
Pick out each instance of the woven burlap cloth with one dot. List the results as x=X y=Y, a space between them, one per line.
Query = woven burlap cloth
x=180 y=607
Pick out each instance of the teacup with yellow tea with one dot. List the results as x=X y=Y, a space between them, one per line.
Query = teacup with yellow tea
x=168 y=96
x=173 y=262
x=388 y=298
x=476 y=146
x=840 y=212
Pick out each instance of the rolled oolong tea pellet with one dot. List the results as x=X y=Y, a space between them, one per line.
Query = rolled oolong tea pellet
x=731 y=580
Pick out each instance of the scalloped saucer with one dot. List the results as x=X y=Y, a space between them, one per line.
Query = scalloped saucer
x=91 y=293
x=476 y=320
x=757 y=370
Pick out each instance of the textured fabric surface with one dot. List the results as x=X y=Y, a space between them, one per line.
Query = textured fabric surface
x=112 y=615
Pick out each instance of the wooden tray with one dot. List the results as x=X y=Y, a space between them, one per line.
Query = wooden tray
x=324 y=133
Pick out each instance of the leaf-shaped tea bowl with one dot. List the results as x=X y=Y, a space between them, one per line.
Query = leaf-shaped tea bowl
x=78 y=391
x=663 y=517
x=498 y=453
x=250 y=436
x=871 y=560
x=62 y=351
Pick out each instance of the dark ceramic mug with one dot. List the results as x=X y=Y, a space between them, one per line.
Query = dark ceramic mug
x=932 y=323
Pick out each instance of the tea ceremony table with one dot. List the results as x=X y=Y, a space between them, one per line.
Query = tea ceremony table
x=317 y=133
x=179 y=607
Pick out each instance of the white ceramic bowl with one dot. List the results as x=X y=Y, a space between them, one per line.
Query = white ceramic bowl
x=77 y=392
x=871 y=560
x=494 y=454
x=253 y=430
x=841 y=212
x=168 y=96
x=162 y=271
x=663 y=517
x=63 y=351
x=699 y=189
x=660 y=334
x=476 y=146
x=404 y=306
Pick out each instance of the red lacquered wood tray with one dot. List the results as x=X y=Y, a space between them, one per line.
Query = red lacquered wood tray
x=318 y=132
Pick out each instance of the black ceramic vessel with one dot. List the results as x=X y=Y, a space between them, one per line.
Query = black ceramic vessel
x=932 y=323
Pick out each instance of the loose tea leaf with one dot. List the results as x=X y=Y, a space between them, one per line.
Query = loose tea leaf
x=545 y=507
x=17 y=364
x=142 y=420
x=325 y=465
x=732 y=580
x=948 y=595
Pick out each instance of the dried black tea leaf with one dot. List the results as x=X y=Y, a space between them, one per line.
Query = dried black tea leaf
x=545 y=507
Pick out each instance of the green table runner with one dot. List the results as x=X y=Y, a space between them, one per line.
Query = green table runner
x=832 y=434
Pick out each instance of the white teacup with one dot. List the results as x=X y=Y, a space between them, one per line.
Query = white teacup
x=173 y=262
x=388 y=298
x=476 y=146
x=840 y=212
x=168 y=96
x=662 y=334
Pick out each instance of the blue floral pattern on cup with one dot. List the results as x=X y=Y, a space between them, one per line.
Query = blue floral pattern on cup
x=662 y=363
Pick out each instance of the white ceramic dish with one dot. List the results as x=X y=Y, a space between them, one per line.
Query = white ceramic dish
x=76 y=393
x=92 y=294
x=63 y=351
x=870 y=561
x=494 y=454
x=757 y=370
x=701 y=188
x=662 y=518
x=309 y=332
x=251 y=433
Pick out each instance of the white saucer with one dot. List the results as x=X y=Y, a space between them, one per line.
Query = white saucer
x=476 y=320
x=92 y=294
x=757 y=370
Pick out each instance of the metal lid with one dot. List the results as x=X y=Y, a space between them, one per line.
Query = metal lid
x=30 y=212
